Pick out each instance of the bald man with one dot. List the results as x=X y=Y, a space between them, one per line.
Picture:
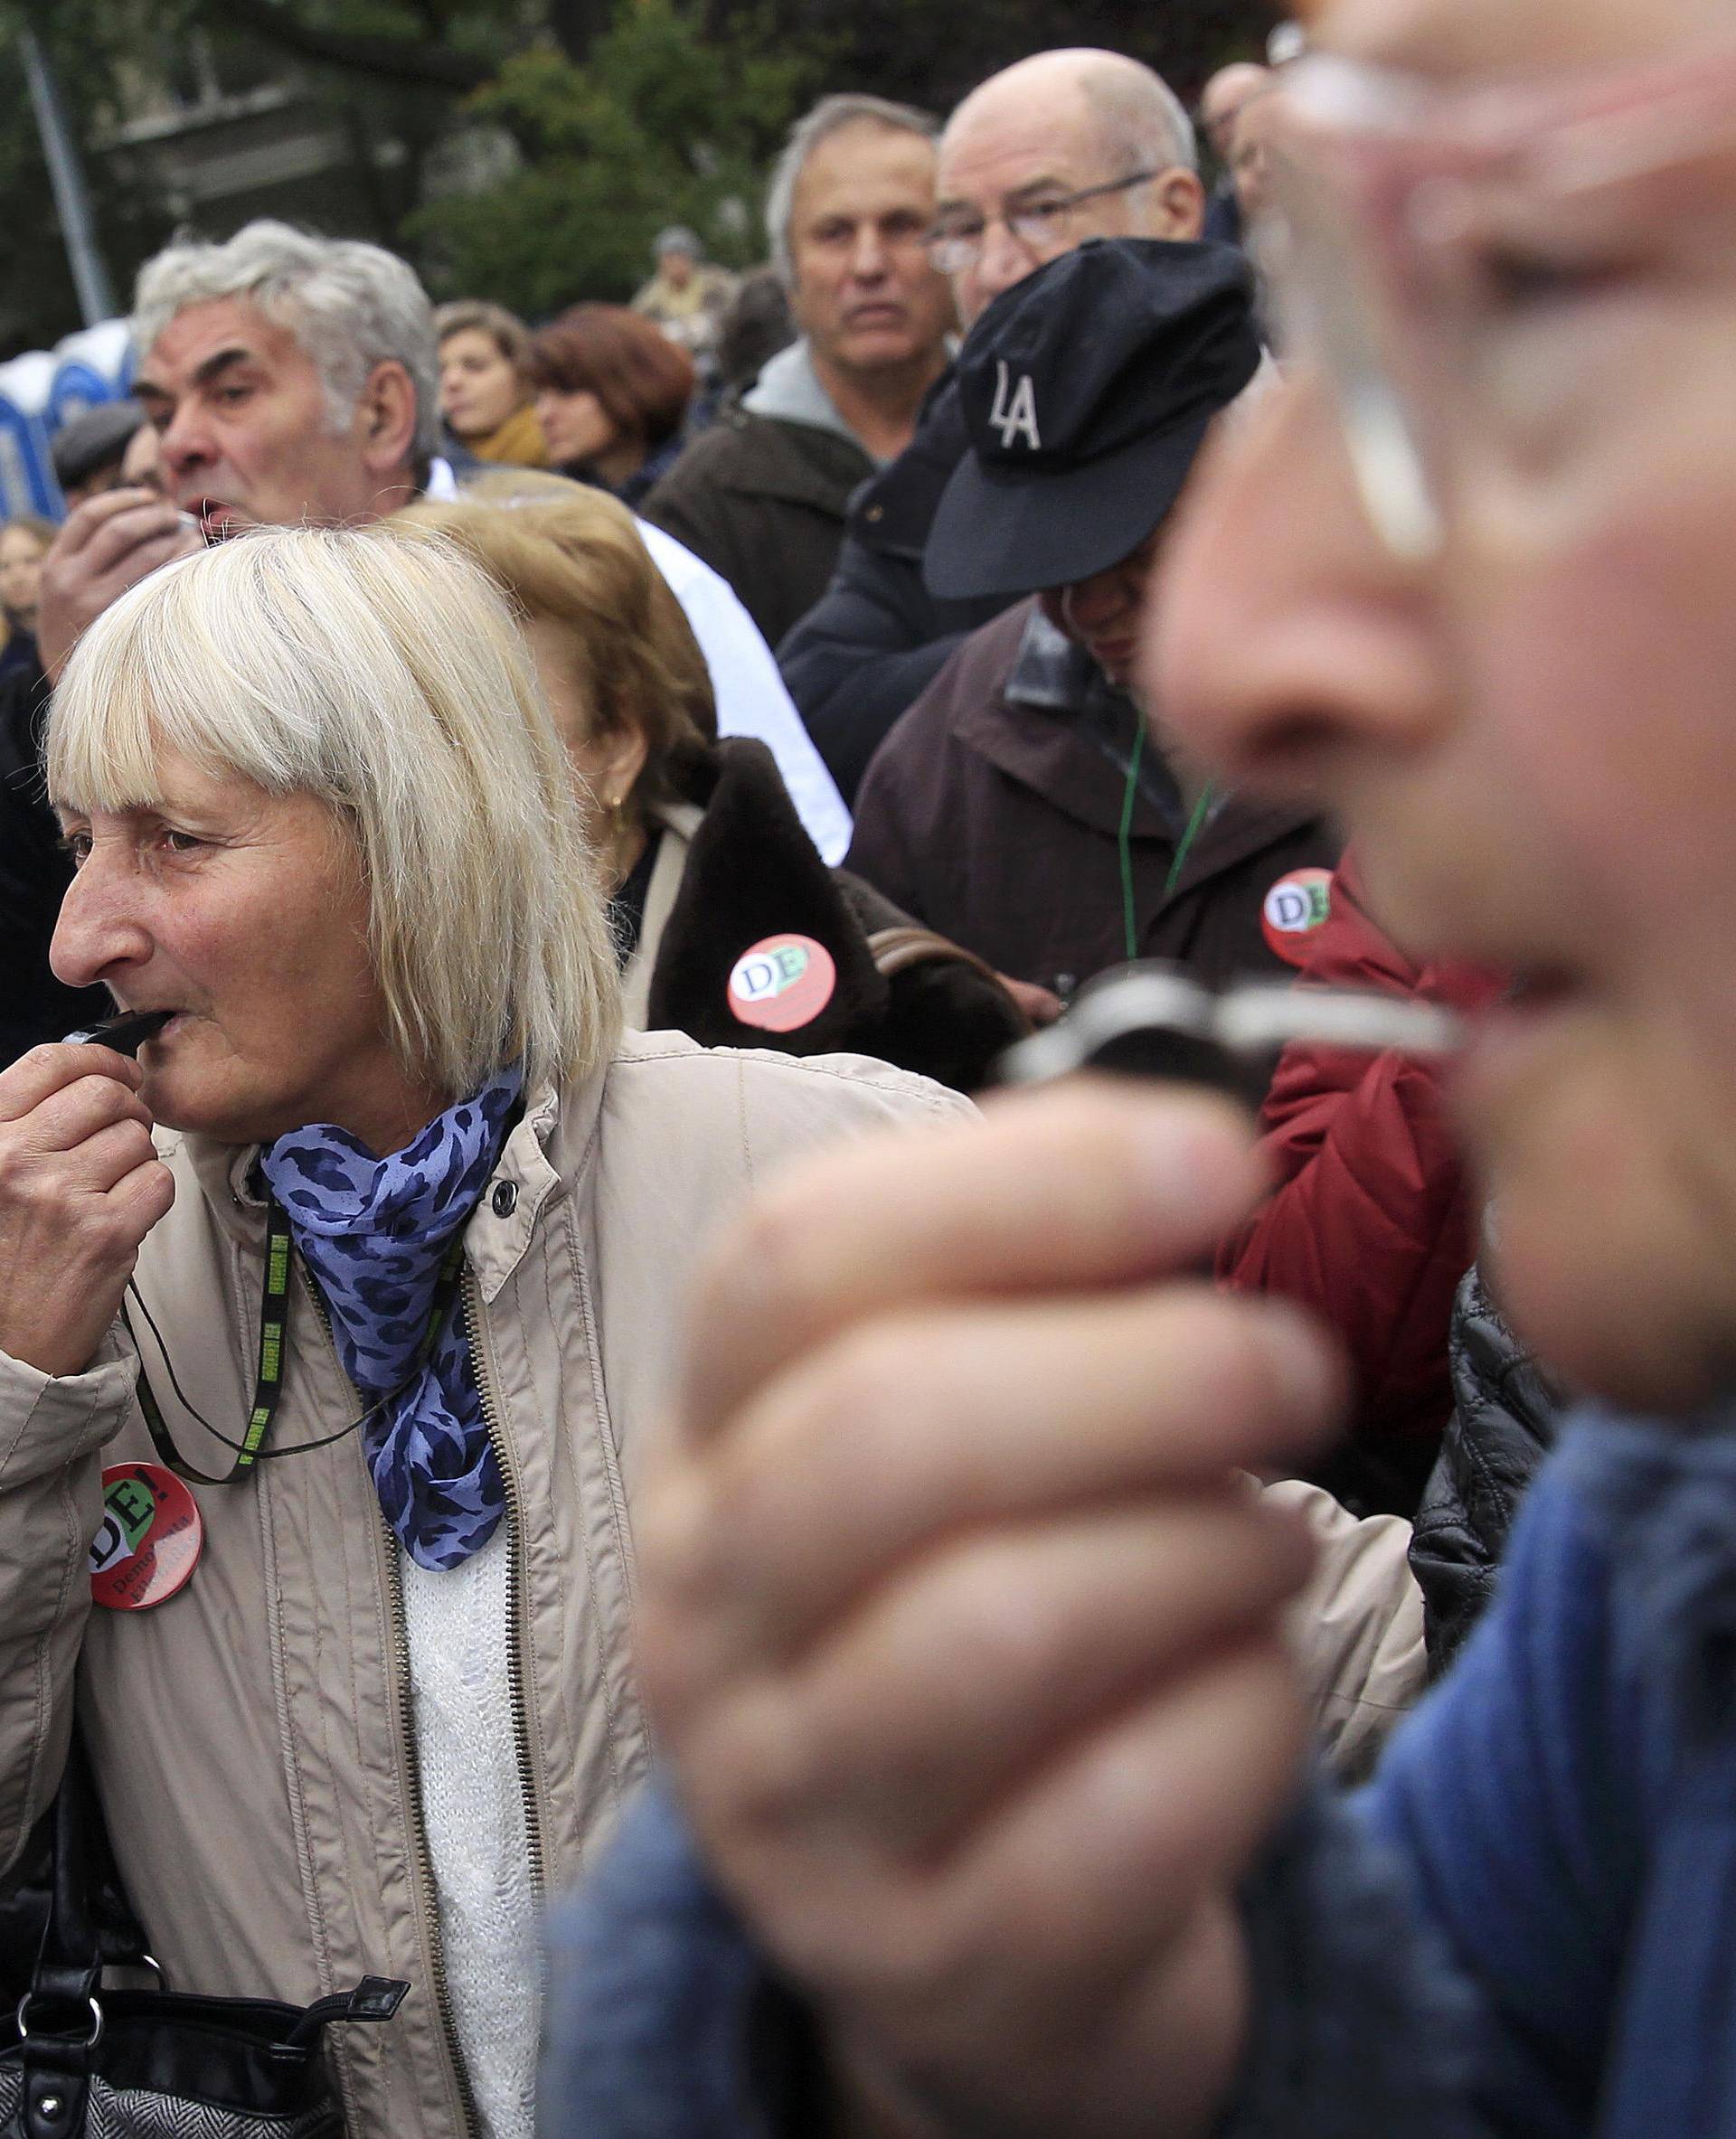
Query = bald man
x=1057 y=148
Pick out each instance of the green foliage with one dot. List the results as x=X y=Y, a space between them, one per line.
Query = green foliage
x=630 y=114
x=662 y=124
x=931 y=51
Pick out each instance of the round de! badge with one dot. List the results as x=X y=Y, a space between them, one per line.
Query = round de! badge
x=782 y=982
x=1295 y=908
x=149 y=1540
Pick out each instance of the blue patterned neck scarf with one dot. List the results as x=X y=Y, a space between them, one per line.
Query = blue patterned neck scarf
x=373 y=1232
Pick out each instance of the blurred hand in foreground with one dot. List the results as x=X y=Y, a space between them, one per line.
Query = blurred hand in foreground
x=960 y=1626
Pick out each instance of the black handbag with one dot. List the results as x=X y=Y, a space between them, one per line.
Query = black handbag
x=80 y=2059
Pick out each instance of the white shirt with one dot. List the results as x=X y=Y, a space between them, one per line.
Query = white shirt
x=477 y=1826
x=751 y=697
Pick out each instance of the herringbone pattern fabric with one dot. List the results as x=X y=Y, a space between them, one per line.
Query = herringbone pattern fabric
x=135 y=2115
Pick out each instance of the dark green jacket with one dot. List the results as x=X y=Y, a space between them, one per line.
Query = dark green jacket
x=762 y=500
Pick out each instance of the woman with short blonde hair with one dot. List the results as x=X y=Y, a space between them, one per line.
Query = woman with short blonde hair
x=364 y=1267
x=303 y=661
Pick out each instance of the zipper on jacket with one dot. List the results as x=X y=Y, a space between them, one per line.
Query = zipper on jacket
x=517 y=1690
x=443 y=2013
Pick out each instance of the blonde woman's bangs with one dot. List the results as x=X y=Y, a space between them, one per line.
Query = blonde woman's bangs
x=387 y=680
x=157 y=674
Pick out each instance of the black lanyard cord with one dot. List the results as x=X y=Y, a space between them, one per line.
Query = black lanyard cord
x=274 y=1322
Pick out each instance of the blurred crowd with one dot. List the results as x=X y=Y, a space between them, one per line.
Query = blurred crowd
x=540 y=783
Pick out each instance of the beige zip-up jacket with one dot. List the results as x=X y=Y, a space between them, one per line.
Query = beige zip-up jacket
x=251 y=1737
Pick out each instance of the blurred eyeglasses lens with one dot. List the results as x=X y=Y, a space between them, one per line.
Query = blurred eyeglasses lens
x=1331 y=316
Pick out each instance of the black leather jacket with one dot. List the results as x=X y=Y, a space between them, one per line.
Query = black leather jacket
x=1502 y=1427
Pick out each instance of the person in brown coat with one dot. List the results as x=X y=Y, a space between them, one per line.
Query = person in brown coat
x=1027 y=806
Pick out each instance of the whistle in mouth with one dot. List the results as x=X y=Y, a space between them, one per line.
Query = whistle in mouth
x=126 y=1034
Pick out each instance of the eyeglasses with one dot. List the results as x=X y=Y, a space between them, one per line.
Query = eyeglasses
x=1043 y=226
x=1440 y=255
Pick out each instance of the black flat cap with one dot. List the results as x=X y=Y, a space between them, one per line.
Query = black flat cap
x=1087 y=389
x=92 y=439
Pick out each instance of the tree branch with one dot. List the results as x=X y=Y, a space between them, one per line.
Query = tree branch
x=389 y=59
x=578 y=24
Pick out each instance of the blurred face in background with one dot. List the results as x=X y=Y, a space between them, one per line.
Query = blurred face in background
x=479 y=385
x=575 y=423
x=1247 y=155
x=1525 y=720
x=142 y=463
x=863 y=290
x=21 y=551
x=1225 y=94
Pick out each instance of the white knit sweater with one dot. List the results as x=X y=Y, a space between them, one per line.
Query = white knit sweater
x=479 y=1834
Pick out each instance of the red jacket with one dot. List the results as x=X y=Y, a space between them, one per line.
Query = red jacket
x=1373 y=1223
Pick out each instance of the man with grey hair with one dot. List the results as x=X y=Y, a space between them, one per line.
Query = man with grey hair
x=291 y=380
x=762 y=496
x=290 y=377
x=1056 y=149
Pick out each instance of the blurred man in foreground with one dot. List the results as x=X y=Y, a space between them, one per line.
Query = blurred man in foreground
x=1023 y=1825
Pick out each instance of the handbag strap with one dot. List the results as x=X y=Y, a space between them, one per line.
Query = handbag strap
x=60 y=2018
x=896 y=949
x=90 y=1925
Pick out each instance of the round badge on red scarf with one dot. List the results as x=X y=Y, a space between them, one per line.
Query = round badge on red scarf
x=150 y=1539
x=781 y=982
x=1295 y=907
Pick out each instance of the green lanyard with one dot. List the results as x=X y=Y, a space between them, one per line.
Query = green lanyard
x=1123 y=843
x=268 y=1386
x=1202 y=810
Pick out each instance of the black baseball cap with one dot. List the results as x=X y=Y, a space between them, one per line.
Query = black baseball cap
x=1087 y=389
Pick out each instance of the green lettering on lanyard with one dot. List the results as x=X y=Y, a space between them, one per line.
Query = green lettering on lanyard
x=273 y=1320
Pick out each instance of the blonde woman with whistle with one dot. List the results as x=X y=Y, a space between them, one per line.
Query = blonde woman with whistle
x=339 y=1317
